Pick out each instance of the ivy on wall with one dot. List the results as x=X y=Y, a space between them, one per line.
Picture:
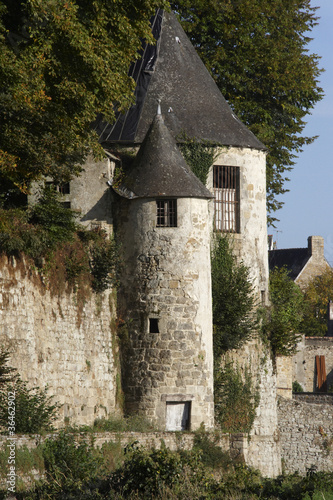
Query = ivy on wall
x=236 y=398
x=199 y=156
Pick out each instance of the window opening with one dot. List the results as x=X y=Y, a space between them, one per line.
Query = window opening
x=226 y=192
x=166 y=213
x=63 y=188
x=153 y=325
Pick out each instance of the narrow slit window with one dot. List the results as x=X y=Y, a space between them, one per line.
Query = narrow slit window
x=166 y=211
x=153 y=325
x=226 y=192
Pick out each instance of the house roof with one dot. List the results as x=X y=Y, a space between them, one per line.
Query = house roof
x=159 y=169
x=192 y=103
x=294 y=259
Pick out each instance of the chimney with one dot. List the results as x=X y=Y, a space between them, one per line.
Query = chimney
x=316 y=246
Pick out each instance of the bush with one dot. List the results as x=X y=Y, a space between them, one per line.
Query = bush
x=147 y=473
x=297 y=387
x=34 y=410
x=73 y=467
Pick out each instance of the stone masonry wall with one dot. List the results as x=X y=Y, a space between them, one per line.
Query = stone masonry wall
x=304 y=361
x=54 y=342
x=250 y=245
x=284 y=376
x=306 y=435
x=262 y=450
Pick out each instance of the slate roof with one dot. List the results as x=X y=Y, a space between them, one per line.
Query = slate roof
x=294 y=259
x=159 y=169
x=191 y=102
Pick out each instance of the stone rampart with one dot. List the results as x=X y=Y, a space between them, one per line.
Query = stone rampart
x=57 y=342
x=306 y=435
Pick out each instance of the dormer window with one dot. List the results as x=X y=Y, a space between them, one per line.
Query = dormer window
x=226 y=192
x=166 y=213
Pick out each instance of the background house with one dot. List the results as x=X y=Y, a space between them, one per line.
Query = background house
x=303 y=264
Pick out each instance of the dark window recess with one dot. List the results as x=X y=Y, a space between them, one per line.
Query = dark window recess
x=226 y=192
x=166 y=213
x=63 y=188
x=66 y=204
x=153 y=325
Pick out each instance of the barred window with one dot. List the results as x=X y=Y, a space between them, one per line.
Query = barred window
x=226 y=192
x=166 y=213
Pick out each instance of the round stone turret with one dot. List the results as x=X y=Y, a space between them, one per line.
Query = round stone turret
x=165 y=292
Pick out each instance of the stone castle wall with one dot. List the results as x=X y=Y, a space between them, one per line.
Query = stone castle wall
x=306 y=435
x=58 y=343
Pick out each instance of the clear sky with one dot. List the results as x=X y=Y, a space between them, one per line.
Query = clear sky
x=308 y=207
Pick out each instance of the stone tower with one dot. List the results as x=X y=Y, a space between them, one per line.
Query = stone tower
x=165 y=293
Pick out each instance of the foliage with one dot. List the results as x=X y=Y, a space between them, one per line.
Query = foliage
x=236 y=399
x=146 y=472
x=34 y=409
x=104 y=262
x=281 y=322
x=50 y=214
x=7 y=373
x=199 y=156
x=234 y=320
x=297 y=387
x=63 y=251
x=317 y=295
x=72 y=467
x=75 y=468
x=211 y=454
x=61 y=64
x=256 y=50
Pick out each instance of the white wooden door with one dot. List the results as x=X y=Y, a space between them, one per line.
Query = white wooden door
x=177 y=416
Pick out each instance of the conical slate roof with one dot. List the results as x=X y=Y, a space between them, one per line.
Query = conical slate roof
x=191 y=101
x=159 y=169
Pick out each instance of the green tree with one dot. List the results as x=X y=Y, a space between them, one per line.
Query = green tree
x=256 y=50
x=317 y=295
x=282 y=324
x=62 y=63
x=234 y=319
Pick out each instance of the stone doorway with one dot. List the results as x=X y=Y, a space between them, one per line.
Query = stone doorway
x=178 y=416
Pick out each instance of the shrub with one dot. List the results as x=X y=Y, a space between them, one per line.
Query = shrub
x=6 y=372
x=73 y=468
x=211 y=454
x=297 y=387
x=146 y=473
x=34 y=410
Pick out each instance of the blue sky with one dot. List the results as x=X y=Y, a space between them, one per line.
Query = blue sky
x=308 y=207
